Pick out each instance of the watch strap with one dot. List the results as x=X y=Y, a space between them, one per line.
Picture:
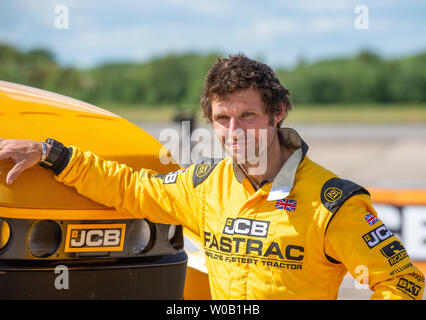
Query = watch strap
x=58 y=156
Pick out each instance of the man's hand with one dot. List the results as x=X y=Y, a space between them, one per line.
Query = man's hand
x=25 y=153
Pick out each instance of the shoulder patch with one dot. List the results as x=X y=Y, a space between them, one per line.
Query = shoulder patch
x=203 y=169
x=336 y=191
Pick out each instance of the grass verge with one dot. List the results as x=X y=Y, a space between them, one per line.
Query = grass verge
x=311 y=114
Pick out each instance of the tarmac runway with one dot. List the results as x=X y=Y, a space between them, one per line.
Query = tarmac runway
x=372 y=155
x=392 y=156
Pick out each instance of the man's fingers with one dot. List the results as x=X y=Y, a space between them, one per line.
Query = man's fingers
x=15 y=172
x=25 y=153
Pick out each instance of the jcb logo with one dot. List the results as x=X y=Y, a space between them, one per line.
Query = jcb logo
x=376 y=236
x=247 y=227
x=95 y=237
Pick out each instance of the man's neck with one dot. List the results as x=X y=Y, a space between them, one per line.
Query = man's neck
x=277 y=155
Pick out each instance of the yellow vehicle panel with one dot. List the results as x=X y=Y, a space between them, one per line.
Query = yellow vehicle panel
x=28 y=113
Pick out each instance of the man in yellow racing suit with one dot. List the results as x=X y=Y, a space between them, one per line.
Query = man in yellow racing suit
x=291 y=235
x=258 y=246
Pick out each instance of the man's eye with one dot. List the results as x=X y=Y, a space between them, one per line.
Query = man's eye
x=248 y=114
x=221 y=117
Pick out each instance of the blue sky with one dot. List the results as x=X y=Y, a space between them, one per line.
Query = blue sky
x=278 y=32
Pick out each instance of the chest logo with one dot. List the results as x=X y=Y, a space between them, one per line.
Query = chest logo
x=332 y=194
x=247 y=227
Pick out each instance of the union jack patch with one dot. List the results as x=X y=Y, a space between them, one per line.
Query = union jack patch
x=371 y=219
x=285 y=204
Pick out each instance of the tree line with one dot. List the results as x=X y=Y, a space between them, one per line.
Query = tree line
x=176 y=79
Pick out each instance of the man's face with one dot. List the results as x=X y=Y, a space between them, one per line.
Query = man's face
x=242 y=125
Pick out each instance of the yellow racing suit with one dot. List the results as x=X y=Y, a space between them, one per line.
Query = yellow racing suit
x=294 y=238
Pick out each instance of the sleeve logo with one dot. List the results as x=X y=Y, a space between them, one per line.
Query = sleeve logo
x=376 y=236
x=395 y=252
x=170 y=178
x=408 y=287
x=371 y=219
x=332 y=194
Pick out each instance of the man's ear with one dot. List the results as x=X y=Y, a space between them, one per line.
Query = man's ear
x=280 y=116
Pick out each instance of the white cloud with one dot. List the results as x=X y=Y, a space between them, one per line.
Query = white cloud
x=274 y=26
x=330 y=24
x=210 y=8
x=266 y=29
x=315 y=6
x=116 y=37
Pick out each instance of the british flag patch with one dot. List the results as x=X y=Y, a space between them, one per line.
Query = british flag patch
x=285 y=204
x=371 y=219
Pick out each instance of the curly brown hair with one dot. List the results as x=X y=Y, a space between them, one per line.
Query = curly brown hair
x=238 y=73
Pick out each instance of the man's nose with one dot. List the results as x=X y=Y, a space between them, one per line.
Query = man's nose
x=233 y=124
x=235 y=130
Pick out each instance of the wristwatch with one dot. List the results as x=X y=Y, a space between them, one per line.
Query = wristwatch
x=56 y=152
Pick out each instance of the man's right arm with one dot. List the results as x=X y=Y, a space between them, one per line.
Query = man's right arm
x=164 y=198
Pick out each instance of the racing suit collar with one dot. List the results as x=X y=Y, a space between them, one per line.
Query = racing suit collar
x=284 y=181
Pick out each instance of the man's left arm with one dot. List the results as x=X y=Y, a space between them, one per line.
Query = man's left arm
x=359 y=240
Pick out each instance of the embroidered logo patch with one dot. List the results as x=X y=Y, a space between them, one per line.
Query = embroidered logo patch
x=371 y=219
x=203 y=169
x=332 y=194
x=285 y=204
